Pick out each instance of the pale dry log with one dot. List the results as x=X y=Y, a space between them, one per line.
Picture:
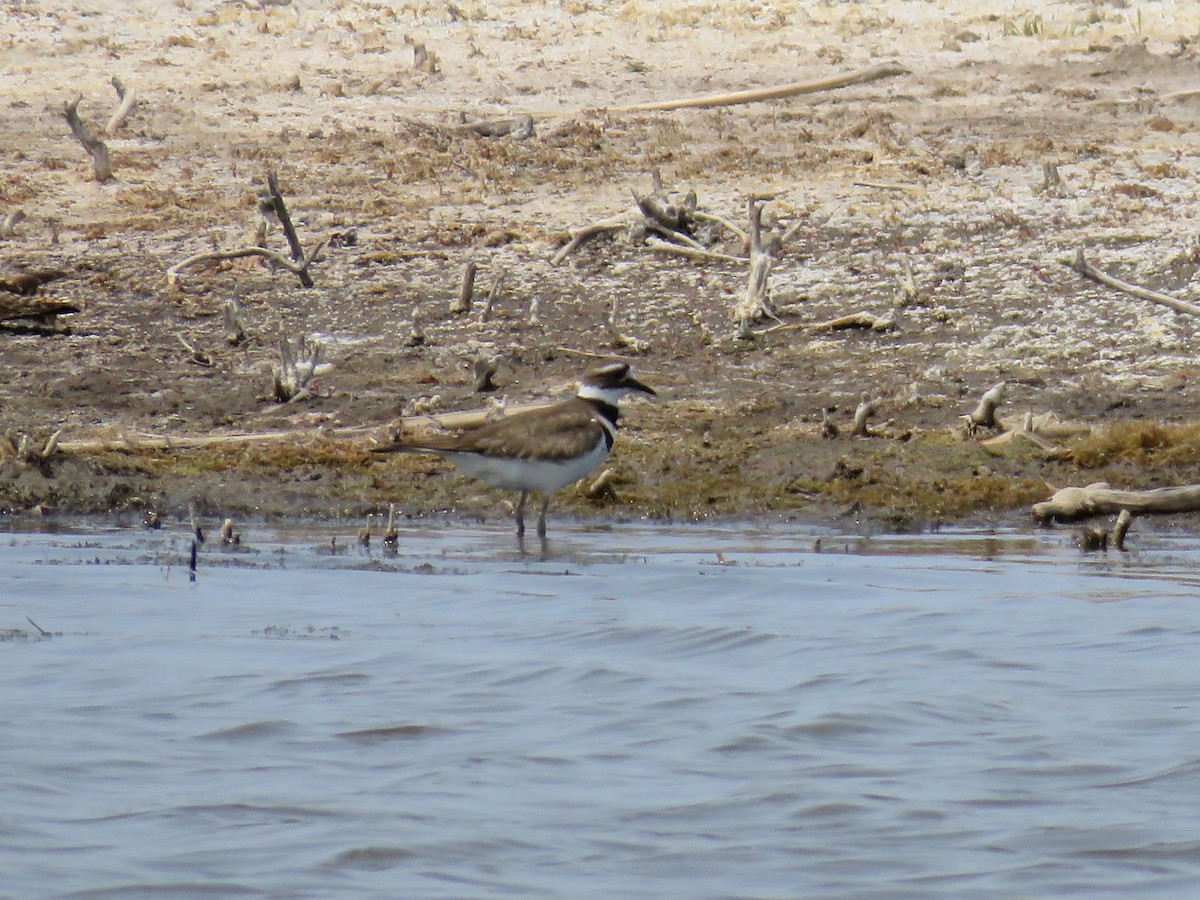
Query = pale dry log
x=95 y=147
x=782 y=92
x=1087 y=270
x=1071 y=503
x=128 y=100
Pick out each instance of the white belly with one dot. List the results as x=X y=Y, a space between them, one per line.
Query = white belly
x=528 y=474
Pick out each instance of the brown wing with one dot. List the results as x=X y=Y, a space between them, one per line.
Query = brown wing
x=556 y=432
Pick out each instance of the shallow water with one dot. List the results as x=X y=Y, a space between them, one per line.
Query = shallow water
x=695 y=712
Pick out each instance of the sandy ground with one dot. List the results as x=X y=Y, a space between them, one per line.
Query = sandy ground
x=939 y=172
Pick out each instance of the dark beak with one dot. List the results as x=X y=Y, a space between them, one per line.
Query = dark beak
x=633 y=384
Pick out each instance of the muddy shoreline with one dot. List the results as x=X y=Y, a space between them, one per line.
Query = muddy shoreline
x=923 y=197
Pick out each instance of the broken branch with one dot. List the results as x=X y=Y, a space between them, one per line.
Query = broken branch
x=300 y=268
x=862 y=76
x=92 y=144
x=289 y=230
x=1087 y=270
x=128 y=98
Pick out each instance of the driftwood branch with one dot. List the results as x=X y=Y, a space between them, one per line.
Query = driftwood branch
x=128 y=100
x=493 y=294
x=1072 y=503
x=581 y=235
x=289 y=230
x=1087 y=270
x=462 y=303
x=782 y=92
x=693 y=253
x=1121 y=528
x=92 y=144
x=984 y=414
x=865 y=410
x=296 y=268
x=755 y=301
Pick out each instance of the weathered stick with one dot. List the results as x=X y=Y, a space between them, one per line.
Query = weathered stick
x=858 y=320
x=462 y=303
x=289 y=230
x=754 y=301
x=1071 y=503
x=1121 y=528
x=92 y=144
x=862 y=76
x=1087 y=270
x=865 y=410
x=493 y=295
x=300 y=268
x=128 y=98
x=586 y=233
x=693 y=253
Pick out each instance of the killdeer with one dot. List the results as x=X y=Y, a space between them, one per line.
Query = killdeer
x=541 y=449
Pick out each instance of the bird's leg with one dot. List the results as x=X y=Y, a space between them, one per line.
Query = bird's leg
x=542 y=517
x=520 y=514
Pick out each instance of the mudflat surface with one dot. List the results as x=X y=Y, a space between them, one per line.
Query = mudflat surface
x=940 y=172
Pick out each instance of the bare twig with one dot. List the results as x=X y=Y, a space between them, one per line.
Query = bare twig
x=128 y=98
x=92 y=144
x=1087 y=270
